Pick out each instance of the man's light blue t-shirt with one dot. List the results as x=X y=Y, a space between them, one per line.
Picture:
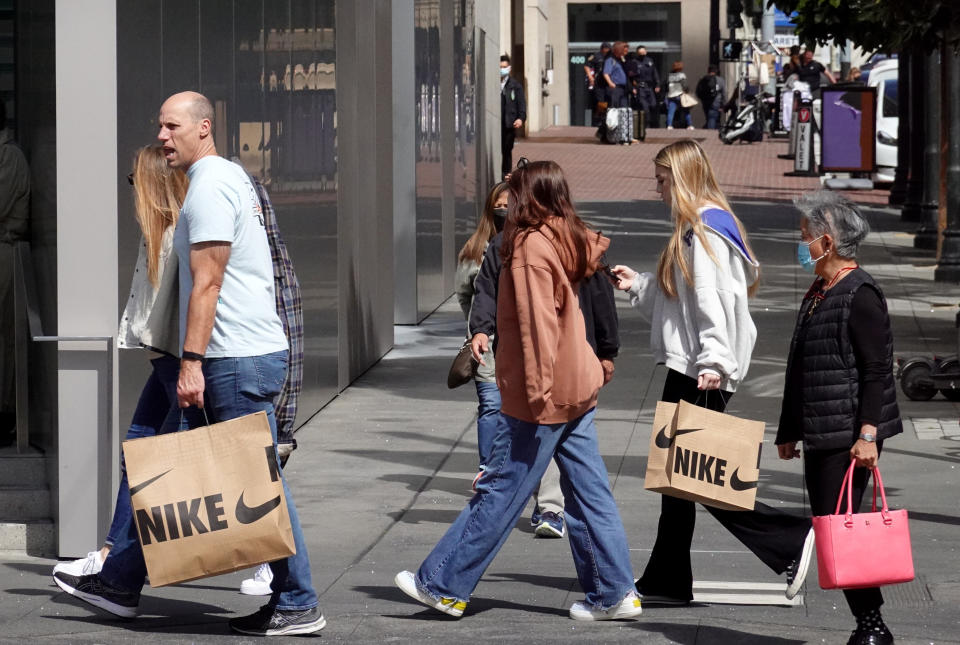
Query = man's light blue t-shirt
x=613 y=69
x=222 y=206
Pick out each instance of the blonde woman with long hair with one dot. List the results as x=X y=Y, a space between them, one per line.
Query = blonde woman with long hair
x=150 y=320
x=702 y=331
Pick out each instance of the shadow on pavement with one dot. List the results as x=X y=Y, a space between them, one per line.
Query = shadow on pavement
x=708 y=635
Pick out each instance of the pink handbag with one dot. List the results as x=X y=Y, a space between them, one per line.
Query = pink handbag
x=857 y=550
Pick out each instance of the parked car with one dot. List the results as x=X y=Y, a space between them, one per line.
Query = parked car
x=884 y=76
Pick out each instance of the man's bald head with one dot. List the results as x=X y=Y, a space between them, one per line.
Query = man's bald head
x=186 y=129
x=197 y=106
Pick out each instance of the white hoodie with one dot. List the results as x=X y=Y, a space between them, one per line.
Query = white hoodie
x=707 y=328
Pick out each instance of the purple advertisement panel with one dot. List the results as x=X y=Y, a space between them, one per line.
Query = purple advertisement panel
x=848 y=126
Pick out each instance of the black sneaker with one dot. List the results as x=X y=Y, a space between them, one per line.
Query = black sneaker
x=92 y=589
x=269 y=621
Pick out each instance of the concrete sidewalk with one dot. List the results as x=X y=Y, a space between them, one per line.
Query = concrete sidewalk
x=385 y=468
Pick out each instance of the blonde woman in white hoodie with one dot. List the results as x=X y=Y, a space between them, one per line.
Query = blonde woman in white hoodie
x=702 y=331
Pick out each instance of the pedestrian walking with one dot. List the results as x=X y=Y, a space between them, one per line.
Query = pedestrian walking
x=233 y=357
x=677 y=87
x=839 y=397
x=14 y=227
x=702 y=331
x=549 y=379
x=602 y=328
x=712 y=90
x=150 y=322
x=513 y=113
x=647 y=87
x=470 y=261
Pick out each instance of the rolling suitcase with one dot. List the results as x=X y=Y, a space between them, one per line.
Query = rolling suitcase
x=619 y=125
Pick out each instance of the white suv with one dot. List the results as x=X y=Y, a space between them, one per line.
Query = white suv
x=883 y=76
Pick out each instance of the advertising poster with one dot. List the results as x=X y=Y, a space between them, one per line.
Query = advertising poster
x=848 y=129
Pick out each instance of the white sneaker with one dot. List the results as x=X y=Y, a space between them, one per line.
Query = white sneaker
x=259 y=584
x=407 y=582
x=629 y=607
x=797 y=570
x=669 y=127
x=82 y=567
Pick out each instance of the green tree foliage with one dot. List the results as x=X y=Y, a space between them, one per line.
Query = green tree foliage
x=878 y=25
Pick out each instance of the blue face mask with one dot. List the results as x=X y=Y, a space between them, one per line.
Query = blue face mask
x=804 y=257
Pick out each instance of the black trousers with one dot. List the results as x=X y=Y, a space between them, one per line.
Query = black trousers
x=824 y=470
x=507 y=137
x=773 y=536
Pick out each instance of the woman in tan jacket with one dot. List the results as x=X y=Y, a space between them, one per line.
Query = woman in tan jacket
x=548 y=377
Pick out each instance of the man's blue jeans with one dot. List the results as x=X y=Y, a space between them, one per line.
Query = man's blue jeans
x=158 y=396
x=488 y=418
x=517 y=462
x=234 y=387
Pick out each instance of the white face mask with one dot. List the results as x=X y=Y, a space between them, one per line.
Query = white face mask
x=504 y=71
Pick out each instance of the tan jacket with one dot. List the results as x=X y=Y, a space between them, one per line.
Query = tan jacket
x=546 y=370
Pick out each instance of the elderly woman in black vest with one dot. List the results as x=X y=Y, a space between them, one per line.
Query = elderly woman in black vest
x=840 y=397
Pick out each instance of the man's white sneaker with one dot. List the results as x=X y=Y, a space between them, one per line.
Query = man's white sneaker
x=82 y=567
x=259 y=584
x=407 y=582
x=629 y=607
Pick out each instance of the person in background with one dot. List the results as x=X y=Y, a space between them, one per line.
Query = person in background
x=839 y=396
x=646 y=85
x=549 y=379
x=810 y=72
x=702 y=331
x=854 y=76
x=14 y=227
x=513 y=112
x=150 y=322
x=676 y=86
x=593 y=72
x=711 y=90
x=471 y=256
x=615 y=76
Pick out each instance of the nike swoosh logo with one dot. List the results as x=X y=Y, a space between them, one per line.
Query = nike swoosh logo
x=139 y=487
x=738 y=484
x=662 y=441
x=248 y=515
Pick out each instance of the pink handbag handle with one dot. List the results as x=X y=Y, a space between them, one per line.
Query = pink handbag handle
x=848 y=487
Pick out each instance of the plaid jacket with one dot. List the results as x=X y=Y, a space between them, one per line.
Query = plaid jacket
x=290 y=310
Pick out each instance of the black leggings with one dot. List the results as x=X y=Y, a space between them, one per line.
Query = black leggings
x=824 y=471
x=773 y=536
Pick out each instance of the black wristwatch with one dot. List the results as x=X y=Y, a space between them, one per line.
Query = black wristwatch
x=191 y=356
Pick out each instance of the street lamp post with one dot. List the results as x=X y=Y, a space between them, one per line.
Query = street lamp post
x=911 y=211
x=926 y=237
x=948 y=268
x=898 y=192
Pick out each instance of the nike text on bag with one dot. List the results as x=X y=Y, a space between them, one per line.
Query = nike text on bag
x=704 y=456
x=857 y=550
x=208 y=501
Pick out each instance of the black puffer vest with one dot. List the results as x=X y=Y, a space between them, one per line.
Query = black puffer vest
x=831 y=381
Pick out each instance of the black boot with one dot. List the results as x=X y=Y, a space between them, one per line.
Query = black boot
x=870 y=630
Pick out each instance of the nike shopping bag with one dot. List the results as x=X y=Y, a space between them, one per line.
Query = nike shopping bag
x=208 y=501
x=704 y=456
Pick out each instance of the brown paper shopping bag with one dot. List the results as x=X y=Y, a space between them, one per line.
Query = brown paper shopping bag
x=208 y=501
x=704 y=456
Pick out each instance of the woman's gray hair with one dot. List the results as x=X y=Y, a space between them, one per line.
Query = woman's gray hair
x=830 y=212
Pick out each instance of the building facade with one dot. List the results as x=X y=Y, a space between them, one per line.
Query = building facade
x=370 y=122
